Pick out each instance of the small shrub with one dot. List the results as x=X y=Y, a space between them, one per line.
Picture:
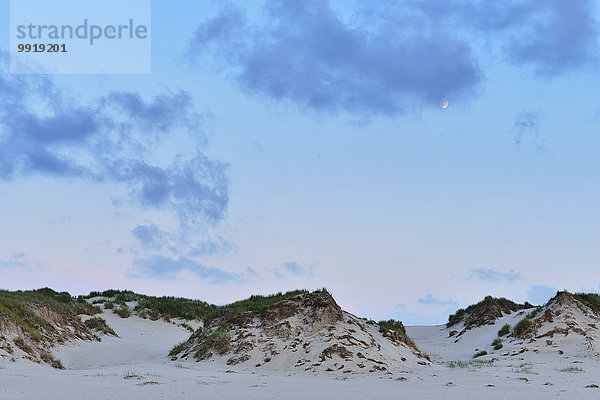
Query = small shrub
x=521 y=327
x=480 y=353
x=505 y=330
x=109 y=305
x=497 y=344
x=393 y=325
x=99 y=324
x=122 y=311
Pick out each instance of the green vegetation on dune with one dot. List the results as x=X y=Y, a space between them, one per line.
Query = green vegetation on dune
x=122 y=311
x=393 y=325
x=166 y=307
x=497 y=344
x=523 y=325
x=505 y=330
x=100 y=325
x=479 y=354
x=253 y=303
x=485 y=312
x=18 y=307
x=176 y=307
x=592 y=300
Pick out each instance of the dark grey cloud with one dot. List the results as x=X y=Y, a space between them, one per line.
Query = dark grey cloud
x=432 y=300
x=113 y=139
x=306 y=54
x=162 y=267
x=558 y=36
x=490 y=275
x=390 y=56
x=551 y=36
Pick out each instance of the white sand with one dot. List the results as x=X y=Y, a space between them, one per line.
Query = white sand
x=136 y=366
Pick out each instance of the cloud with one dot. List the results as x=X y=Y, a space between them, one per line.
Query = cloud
x=294 y=268
x=150 y=236
x=307 y=54
x=162 y=267
x=489 y=275
x=386 y=57
x=540 y=294
x=558 y=36
x=115 y=138
x=432 y=300
x=527 y=128
x=551 y=36
x=16 y=261
x=218 y=245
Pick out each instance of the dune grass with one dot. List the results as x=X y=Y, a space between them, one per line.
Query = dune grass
x=592 y=300
x=122 y=311
x=487 y=309
x=100 y=325
x=255 y=303
x=469 y=364
x=523 y=325
x=393 y=325
x=480 y=354
x=505 y=330
x=18 y=306
x=572 y=370
x=165 y=307
x=497 y=344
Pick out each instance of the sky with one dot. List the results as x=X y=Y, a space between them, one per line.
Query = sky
x=279 y=145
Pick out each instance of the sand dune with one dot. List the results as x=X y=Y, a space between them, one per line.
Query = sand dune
x=308 y=332
x=556 y=358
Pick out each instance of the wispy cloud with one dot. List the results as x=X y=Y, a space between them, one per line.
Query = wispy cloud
x=115 y=138
x=490 y=275
x=432 y=300
x=151 y=237
x=527 y=127
x=119 y=138
x=16 y=261
x=218 y=245
x=294 y=268
x=165 y=268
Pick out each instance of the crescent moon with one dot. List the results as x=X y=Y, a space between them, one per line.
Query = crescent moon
x=444 y=104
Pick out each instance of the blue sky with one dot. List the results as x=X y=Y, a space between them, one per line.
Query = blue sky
x=283 y=145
